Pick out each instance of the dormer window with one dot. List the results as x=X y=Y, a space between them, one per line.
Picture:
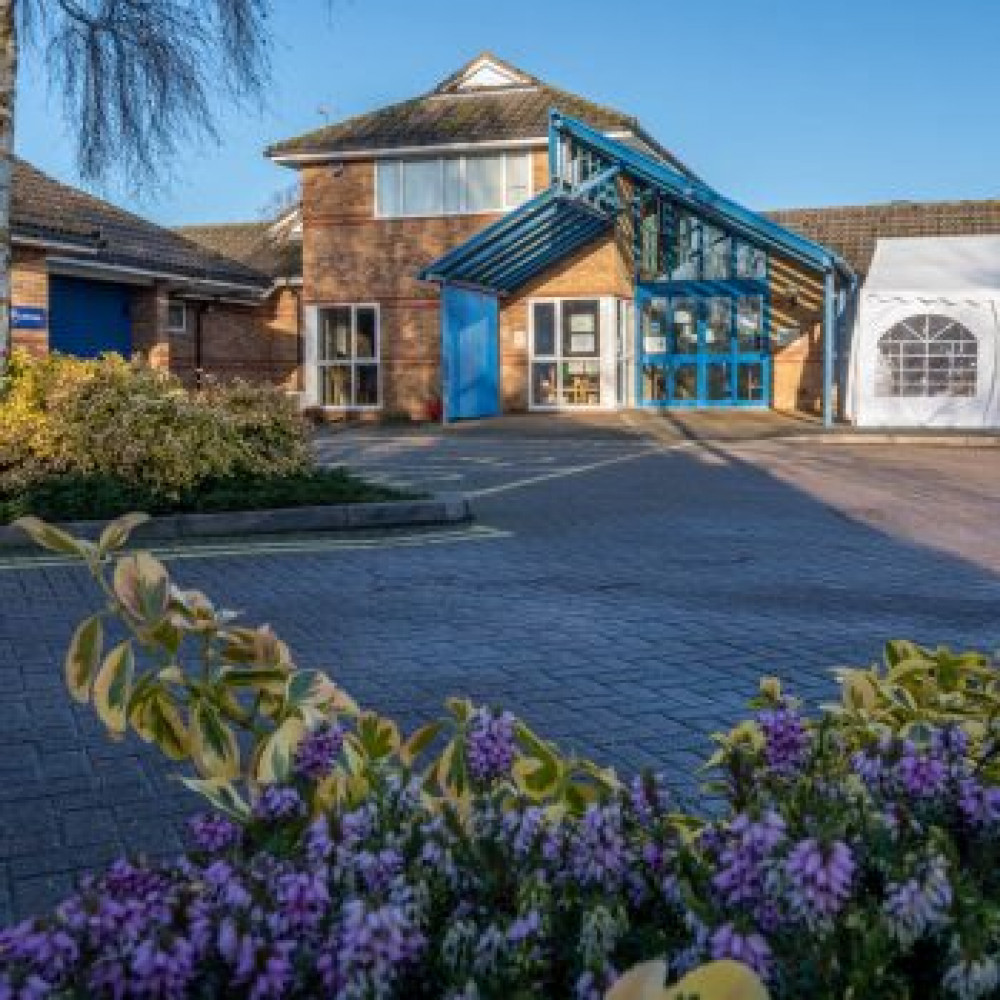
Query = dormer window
x=482 y=184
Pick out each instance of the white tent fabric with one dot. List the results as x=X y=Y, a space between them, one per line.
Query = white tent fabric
x=926 y=345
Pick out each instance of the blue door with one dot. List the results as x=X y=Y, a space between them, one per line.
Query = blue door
x=89 y=318
x=704 y=346
x=470 y=354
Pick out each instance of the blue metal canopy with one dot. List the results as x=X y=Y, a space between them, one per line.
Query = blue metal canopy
x=525 y=242
x=653 y=174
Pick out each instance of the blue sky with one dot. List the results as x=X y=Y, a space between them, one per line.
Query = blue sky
x=775 y=102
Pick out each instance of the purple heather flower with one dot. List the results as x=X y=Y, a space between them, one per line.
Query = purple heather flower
x=978 y=804
x=919 y=905
x=921 y=775
x=319 y=844
x=743 y=851
x=213 y=832
x=275 y=976
x=317 y=753
x=786 y=740
x=162 y=969
x=489 y=745
x=597 y=846
x=972 y=978
x=303 y=900
x=751 y=949
x=649 y=796
x=819 y=879
x=278 y=802
x=524 y=927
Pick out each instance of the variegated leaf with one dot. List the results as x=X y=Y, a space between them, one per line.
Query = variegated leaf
x=117 y=533
x=113 y=687
x=221 y=794
x=277 y=752
x=215 y=750
x=84 y=657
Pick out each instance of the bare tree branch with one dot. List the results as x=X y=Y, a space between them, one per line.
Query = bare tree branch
x=138 y=77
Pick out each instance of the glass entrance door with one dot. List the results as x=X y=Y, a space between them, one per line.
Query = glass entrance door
x=707 y=350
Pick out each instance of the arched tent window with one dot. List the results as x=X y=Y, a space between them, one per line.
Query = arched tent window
x=927 y=355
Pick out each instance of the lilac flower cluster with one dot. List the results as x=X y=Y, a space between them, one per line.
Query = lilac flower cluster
x=819 y=879
x=750 y=948
x=786 y=739
x=277 y=803
x=317 y=753
x=213 y=832
x=919 y=905
x=743 y=854
x=489 y=744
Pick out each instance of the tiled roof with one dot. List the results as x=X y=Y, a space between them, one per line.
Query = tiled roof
x=251 y=243
x=45 y=209
x=854 y=230
x=450 y=114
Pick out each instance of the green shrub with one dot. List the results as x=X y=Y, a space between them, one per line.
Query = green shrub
x=140 y=425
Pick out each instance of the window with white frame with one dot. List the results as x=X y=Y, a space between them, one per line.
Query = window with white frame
x=927 y=355
x=349 y=357
x=566 y=353
x=177 y=317
x=452 y=185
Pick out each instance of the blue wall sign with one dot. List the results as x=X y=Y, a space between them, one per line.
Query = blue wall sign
x=28 y=318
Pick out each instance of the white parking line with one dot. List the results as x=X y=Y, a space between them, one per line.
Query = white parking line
x=212 y=550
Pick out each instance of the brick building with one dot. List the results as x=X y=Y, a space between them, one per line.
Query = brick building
x=506 y=245
x=88 y=277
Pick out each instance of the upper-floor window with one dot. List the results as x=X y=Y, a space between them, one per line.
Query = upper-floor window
x=452 y=185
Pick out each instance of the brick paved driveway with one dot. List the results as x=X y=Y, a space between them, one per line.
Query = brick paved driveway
x=630 y=591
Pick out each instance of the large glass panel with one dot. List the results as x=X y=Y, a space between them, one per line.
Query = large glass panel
x=750 y=262
x=365 y=333
x=581 y=328
x=685 y=326
x=335 y=385
x=649 y=256
x=335 y=334
x=685 y=383
x=544 y=316
x=366 y=389
x=654 y=327
x=750 y=323
x=544 y=387
x=518 y=178
x=654 y=383
x=484 y=183
x=750 y=382
x=453 y=184
x=581 y=383
x=422 y=187
x=717 y=248
x=687 y=248
x=718 y=324
x=718 y=381
x=387 y=187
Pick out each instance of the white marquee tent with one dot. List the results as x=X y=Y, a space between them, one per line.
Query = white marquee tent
x=926 y=344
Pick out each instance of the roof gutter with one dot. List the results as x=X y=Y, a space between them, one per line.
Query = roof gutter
x=70 y=263
x=43 y=243
x=390 y=152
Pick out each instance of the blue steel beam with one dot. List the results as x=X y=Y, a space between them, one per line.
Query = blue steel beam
x=543 y=254
x=829 y=334
x=566 y=245
x=698 y=197
x=527 y=211
x=534 y=241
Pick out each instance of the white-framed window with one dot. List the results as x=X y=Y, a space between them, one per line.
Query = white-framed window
x=565 y=349
x=349 y=357
x=452 y=185
x=177 y=317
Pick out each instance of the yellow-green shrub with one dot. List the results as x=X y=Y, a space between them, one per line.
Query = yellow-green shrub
x=141 y=425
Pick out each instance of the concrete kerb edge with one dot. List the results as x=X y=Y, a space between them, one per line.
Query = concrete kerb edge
x=443 y=509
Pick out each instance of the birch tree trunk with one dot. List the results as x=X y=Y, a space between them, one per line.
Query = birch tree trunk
x=8 y=93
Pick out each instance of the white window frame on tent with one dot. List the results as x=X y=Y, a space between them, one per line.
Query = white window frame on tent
x=927 y=355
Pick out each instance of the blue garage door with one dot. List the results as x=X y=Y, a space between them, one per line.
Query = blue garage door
x=471 y=354
x=88 y=318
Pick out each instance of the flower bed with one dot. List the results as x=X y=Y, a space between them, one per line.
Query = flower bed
x=849 y=852
x=90 y=440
